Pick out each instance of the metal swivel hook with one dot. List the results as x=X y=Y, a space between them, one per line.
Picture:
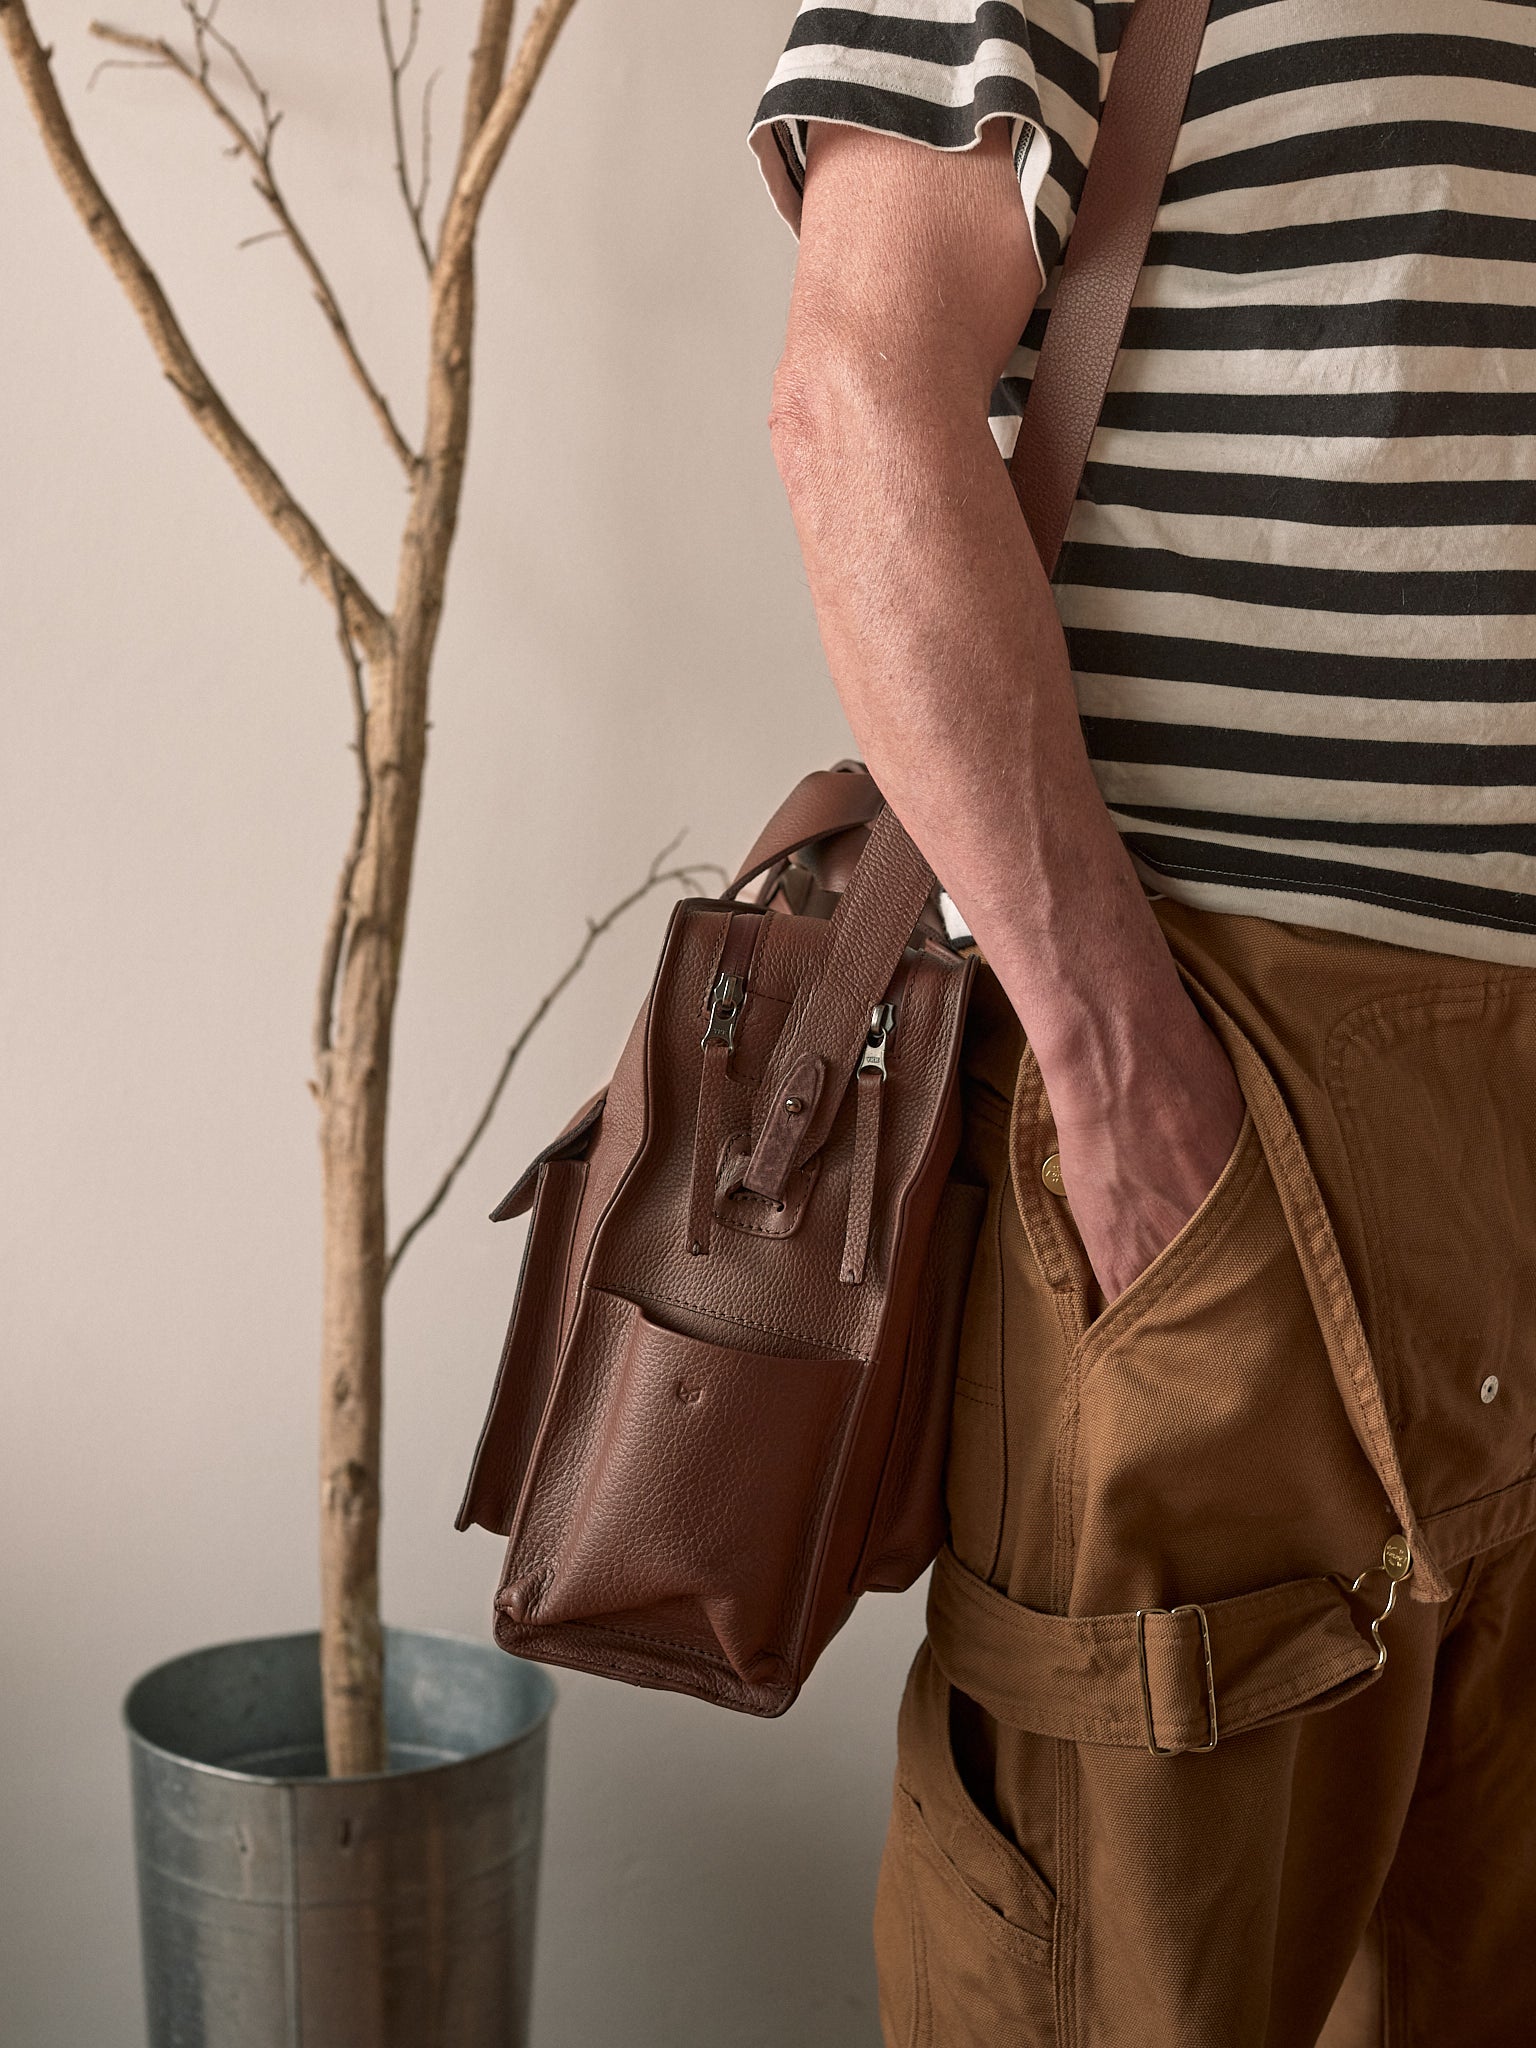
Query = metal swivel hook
x=1396 y=1563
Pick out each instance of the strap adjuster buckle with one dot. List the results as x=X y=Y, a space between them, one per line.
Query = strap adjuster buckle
x=1157 y=1748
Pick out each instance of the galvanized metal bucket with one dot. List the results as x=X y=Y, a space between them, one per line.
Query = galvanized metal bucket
x=283 y=1909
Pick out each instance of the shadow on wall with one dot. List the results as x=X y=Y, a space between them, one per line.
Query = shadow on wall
x=730 y=1883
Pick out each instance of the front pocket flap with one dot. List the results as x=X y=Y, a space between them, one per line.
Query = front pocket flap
x=573 y=1139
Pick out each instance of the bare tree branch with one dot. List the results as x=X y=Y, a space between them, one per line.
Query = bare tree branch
x=123 y=64
x=256 y=144
x=656 y=875
x=487 y=62
x=424 y=145
x=261 y=482
x=336 y=929
x=389 y=663
x=482 y=158
x=415 y=202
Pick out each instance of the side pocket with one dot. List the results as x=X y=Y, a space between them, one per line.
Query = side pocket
x=1180 y=1259
x=1211 y=1453
x=896 y=1932
x=528 y=1356
x=909 y=1520
x=700 y=1471
x=964 y=1921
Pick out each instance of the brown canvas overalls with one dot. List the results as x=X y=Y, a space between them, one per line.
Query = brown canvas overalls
x=1158 y=1513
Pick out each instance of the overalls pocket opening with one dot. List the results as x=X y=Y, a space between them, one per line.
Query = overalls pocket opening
x=964 y=1920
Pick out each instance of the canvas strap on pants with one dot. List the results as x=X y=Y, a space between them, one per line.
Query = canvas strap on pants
x=1220 y=1738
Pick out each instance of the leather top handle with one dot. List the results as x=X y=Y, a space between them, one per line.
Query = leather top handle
x=891 y=882
x=825 y=802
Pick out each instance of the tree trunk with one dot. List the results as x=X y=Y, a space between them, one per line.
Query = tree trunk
x=353 y=1092
x=353 y=1084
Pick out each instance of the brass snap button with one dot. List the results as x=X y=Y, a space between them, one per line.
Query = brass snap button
x=1490 y=1388
x=1050 y=1173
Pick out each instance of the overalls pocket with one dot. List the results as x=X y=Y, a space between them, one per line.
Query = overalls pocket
x=964 y=1921
x=1209 y=1450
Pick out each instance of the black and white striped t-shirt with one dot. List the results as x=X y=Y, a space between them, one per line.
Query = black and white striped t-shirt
x=1299 y=585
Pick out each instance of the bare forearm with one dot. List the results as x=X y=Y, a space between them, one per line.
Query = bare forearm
x=916 y=277
x=947 y=652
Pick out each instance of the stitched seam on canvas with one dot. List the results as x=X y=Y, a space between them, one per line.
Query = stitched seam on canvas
x=1004 y=1855
x=1211 y=1225
x=990 y=1922
x=1367 y=1028
x=998 y=1463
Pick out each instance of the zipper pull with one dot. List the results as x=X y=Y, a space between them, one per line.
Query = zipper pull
x=726 y=999
x=882 y=1022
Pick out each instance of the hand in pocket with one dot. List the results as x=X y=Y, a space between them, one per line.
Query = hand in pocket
x=1139 y=1157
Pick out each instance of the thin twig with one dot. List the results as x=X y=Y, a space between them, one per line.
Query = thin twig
x=123 y=64
x=178 y=360
x=256 y=144
x=336 y=929
x=656 y=876
x=425 y=150
x=415 y=202
x=203 y=33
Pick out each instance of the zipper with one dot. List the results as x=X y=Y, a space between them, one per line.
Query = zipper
x=727 y=998
x=882 y=1022
x=869 y=1078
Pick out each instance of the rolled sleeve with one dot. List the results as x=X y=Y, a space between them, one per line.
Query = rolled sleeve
x=935 y=72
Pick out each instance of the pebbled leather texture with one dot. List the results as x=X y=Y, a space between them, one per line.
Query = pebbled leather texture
x=868 y=1091
x=821 y=806
x=701 y=1457
x=875 y=917
x=687 y=1450
x=909 y=1522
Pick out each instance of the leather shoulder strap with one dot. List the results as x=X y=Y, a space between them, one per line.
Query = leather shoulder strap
x=1138 y=128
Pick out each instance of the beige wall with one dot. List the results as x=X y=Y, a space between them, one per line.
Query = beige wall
x=629 y=648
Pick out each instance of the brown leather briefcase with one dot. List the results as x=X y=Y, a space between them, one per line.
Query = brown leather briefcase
x=723 y=1403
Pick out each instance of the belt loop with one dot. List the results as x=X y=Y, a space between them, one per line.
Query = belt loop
x=1213 y=1731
